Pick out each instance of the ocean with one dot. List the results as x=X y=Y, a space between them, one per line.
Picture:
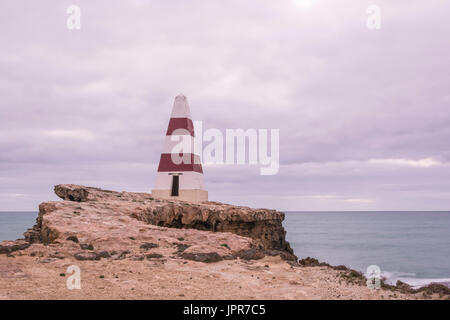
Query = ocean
x=14 y=224
x=413 y=247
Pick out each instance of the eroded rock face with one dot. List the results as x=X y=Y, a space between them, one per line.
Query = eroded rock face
x=262 y=225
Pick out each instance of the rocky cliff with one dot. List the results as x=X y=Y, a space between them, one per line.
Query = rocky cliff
x=108 y=223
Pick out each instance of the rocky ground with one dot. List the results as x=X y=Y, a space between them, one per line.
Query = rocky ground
x=131 y=246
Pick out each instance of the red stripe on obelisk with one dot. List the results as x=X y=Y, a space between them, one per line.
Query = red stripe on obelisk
x=180 y=123
x=167 y=165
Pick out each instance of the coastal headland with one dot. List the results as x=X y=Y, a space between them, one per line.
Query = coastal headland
x=128 y=245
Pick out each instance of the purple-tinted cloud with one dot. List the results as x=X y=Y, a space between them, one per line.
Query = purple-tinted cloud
x=361 y=113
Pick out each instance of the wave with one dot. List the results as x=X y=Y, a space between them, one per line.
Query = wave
x=392 y=278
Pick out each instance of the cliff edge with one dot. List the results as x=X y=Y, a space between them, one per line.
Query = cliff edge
x=113 y=222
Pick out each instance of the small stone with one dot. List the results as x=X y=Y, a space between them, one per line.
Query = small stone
x=154 y=256
x=86 y=256
x=206 y=257
x=148 y=245
x=104 y=254
x=85 y=246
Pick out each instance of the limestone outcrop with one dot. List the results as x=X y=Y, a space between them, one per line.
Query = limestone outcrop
x=94 y=224
x=262 y=225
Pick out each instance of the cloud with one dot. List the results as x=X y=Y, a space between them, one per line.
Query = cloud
x=69 y=134
x=358 y=200
x=422 y=163
x=362 y=114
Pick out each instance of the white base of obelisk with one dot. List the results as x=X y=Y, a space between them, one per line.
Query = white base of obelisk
x=190 y=195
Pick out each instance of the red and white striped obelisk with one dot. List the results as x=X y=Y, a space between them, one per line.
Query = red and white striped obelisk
x=175 y=180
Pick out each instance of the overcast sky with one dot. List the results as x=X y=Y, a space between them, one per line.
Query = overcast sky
x=364 y=115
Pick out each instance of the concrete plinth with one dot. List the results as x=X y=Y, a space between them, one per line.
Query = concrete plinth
x=190 y=195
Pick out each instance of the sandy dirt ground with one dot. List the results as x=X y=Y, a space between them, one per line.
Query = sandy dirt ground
x=25 y=277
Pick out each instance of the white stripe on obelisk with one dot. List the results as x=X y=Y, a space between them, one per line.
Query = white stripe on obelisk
x=181 y=108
